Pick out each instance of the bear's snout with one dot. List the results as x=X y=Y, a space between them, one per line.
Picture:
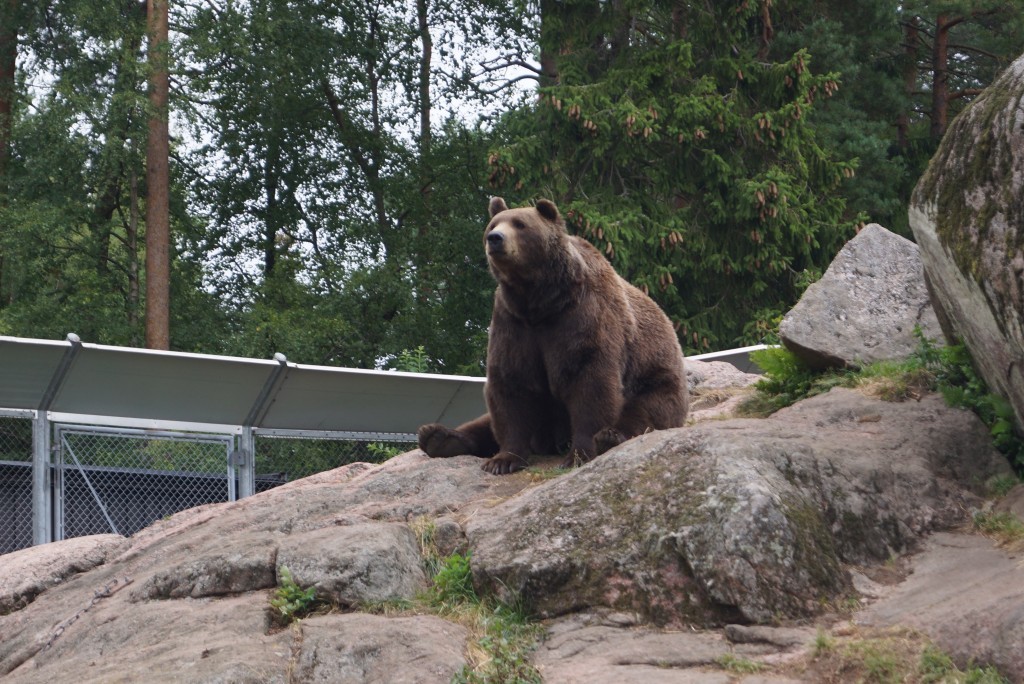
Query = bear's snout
x=495 y=242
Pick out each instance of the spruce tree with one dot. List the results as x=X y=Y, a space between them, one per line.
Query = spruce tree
x=679 y=147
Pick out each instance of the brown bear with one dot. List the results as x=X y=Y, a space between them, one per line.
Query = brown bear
x=576 y=355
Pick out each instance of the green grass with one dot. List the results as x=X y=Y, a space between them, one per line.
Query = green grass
x=503 y=635
x=890 y=656
x=1006 y=528
x=738 y=665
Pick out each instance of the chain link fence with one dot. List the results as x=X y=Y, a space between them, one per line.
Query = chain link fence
x=15 y=483
x=285 y=456
x=120 y=480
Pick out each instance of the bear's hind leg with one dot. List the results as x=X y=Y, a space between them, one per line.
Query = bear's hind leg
x=474 y=438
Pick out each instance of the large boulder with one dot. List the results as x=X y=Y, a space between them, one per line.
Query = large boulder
x=967 y=214
x=187 y=599
x=746 y=520
x=731 y=520
x=865 y=307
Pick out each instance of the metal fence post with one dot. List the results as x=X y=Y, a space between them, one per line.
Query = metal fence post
x=42 y=519
x=246 y=463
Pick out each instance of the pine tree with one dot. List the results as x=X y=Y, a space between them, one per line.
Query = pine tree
x=677 y=147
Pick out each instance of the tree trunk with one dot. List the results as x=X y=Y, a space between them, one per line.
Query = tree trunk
x=910 y=38
x=940 y=76
x=270 y=189
x=158 y=265
x=548 y=43
x=8 y=63
x=133 y=252
x=425 y=59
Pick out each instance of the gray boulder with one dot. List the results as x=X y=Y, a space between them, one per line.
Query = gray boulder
x=865 y=307
x=187 y=599
x=372 y=649
x=356 y=564
x=966 y=595
x=967 y=214
x=743 y=520
x=26 y=575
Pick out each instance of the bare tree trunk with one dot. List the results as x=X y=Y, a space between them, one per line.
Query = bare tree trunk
x=8 y=64
x=425 y=59
x=910 y=38
x=424 y=249
x=548 y=48
x=133 y=250
x=940 y=75
x=158 y=264
x=270 y=189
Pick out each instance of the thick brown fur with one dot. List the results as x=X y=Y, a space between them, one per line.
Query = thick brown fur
x=577 y=356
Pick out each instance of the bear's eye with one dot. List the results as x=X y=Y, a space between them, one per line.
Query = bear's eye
x=517 y=224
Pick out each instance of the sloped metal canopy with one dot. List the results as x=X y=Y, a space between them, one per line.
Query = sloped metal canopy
x=72 y=377
x=142 y=386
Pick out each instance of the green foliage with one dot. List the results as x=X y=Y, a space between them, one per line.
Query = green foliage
x=413 y=361
x=297 y=458
x=948 y=369
x=785 y=381
x=962 y=386
x=381 y=451
x=1005 y=527
x=329 y=182
x=453 y=583
x=507 y=642
x=823 y=643
x=936 y=666
x=739 y=665
x=505 y=633
x=291 y=602
x=1002 y=484
x=742 y=197
x=892 y=656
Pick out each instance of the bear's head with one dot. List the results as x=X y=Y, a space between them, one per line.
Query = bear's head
x=523 y=243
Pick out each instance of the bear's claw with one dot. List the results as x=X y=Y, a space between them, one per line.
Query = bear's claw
x=504 y=463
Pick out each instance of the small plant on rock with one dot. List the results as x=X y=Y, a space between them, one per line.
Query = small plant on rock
x=1005 y=528
x=738 y=664
x=504 y=633
x=961 y=386
x=290 y=601
x=453 y=583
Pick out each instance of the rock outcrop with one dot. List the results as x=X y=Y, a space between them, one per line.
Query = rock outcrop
x=740 y=520
x=865 y=307
x=967 y=214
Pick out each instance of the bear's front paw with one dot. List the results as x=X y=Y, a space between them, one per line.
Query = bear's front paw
x=504 y=463
x=438 y=441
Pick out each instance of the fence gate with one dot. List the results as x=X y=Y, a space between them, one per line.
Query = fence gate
x=15 y=480
x=120 y=480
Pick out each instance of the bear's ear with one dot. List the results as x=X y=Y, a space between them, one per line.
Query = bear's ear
x=548 y=210
x=496 y=206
